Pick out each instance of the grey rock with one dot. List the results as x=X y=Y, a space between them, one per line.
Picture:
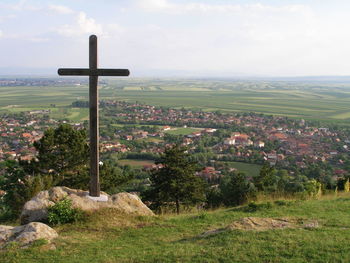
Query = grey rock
x=25 y=235
x=36 y=208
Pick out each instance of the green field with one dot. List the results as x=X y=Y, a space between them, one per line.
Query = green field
x=248 y=168
x=107 y=236
x=58 y=112
x=135 y=163
x=182 y=131
x=325 y=101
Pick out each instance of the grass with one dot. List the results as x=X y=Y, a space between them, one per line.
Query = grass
x=110 y=237
x=182 y=131
x=248 y=168
x=135 y=163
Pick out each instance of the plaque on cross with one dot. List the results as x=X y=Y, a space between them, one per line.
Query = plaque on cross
x=93 y=72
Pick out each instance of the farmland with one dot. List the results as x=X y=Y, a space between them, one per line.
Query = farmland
x=248 y=168
x=310 y=100
x=135 y=163
x=182 y=131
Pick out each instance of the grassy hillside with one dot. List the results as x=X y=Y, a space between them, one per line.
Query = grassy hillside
x=108 y=237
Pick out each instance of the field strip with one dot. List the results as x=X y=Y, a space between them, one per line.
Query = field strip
x=293 y=108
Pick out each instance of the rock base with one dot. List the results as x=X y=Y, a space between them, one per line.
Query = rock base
x=36 y=208
x=25 y=235
x=101 y=198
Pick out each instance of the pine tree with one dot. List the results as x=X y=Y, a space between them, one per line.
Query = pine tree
x=237 y=189
x=176 y=180
x=267 y=180
x=62 y=149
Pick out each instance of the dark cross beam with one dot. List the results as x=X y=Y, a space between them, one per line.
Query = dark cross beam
x=93 y=72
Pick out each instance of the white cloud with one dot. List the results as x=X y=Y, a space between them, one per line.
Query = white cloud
x=88 y=25
x=21 y=5
x=83 y=25
x=155 y=5
x=60 y=9
x=169 y=7
x=1 y=34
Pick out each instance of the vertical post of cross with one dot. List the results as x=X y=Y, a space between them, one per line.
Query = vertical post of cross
x=93 y=72
x=94 y=132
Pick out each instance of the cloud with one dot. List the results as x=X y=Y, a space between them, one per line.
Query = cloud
x=1 y=34
x=20 y=6
x=60 y=9
x=83 y=25
x=169 y=7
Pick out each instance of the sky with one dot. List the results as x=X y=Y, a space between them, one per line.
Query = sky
x=209 y=38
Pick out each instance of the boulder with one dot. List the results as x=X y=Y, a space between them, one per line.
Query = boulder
x=25 y=235
x=36 y=208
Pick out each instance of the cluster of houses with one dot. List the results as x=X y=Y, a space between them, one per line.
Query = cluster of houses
x=293 y=137
x=272 y=138
x=19 y=132
x=18 y=135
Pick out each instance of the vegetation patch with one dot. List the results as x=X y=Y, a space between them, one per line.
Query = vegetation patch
x=62 y=213
x=182 y=131
x=135 y=162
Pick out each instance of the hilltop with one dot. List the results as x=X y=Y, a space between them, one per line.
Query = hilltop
x=109 y=237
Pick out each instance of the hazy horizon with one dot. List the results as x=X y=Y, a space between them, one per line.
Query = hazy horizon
x=168 y=75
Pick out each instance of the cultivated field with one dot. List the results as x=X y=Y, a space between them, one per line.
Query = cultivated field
x=135 y=163
x=248 y=168
x=318 y=100
x=182 y=131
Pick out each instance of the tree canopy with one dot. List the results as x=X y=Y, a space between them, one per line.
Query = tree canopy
x=176 y=181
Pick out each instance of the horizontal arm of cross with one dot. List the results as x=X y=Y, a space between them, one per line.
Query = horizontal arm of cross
x=92 y=72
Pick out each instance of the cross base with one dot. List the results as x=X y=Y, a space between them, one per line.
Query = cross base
x=101 y=198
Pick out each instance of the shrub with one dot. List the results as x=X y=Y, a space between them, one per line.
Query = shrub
x=253 y=207
x=283 y=202
x=19 y=187
x=62 y=212
x=237 y=190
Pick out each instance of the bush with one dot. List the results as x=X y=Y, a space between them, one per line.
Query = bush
x=283 y=202
x=237 y=189
x=62 y=212
x=20 y=187
x=253 y=207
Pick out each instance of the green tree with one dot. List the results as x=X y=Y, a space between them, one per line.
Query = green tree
x=237 y=189
x=267 y=180
x=20 y=187
x=63 y=152
x=62 y=149
x=113 y=178
x=176 y=180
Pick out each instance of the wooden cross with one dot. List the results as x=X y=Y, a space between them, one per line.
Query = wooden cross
x=93 y=72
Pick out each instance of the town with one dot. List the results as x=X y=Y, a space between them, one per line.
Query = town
x=140 y=131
